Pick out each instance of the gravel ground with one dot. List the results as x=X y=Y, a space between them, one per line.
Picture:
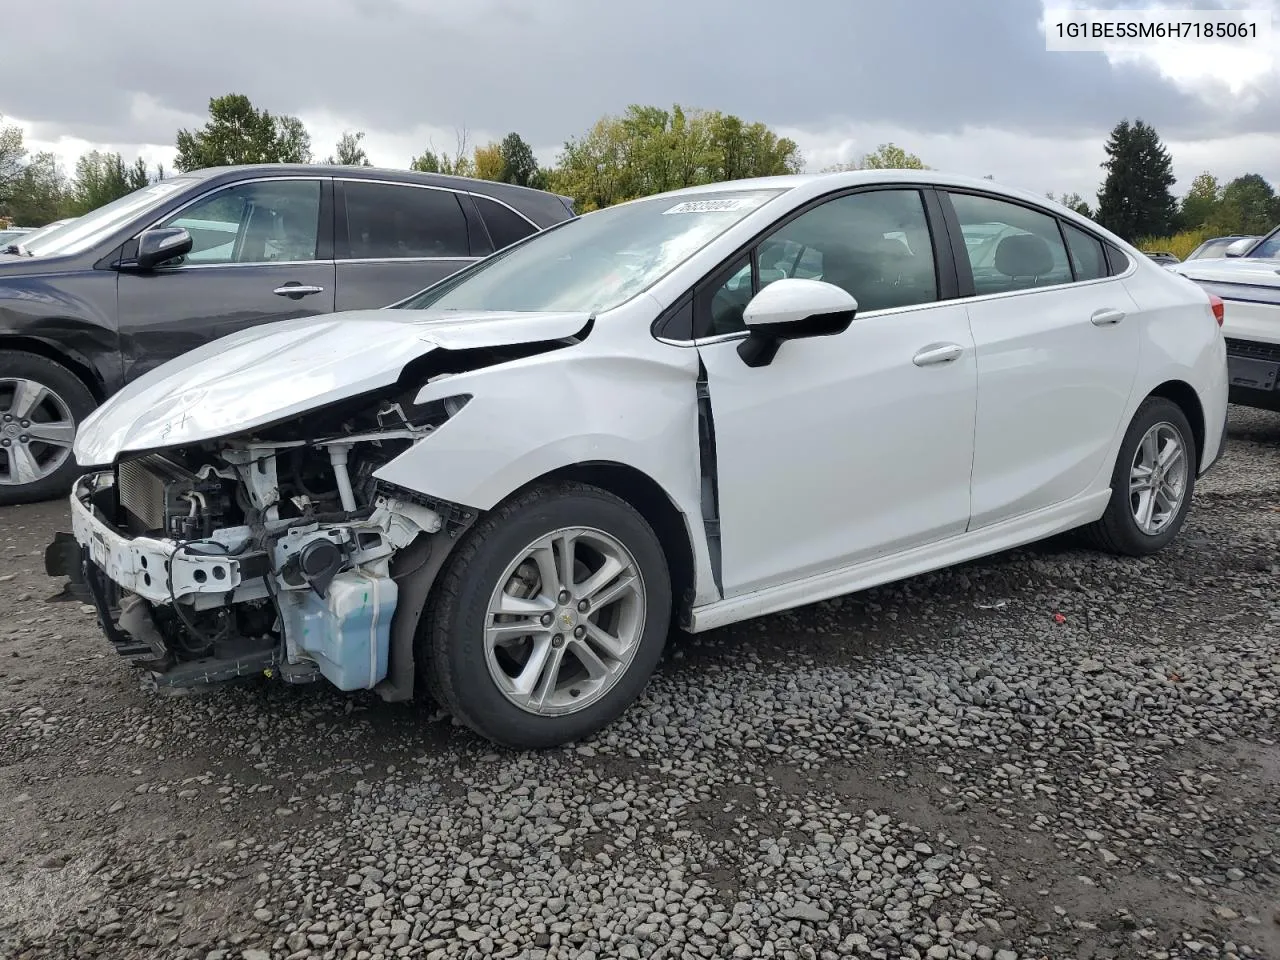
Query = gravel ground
x=1049 y=753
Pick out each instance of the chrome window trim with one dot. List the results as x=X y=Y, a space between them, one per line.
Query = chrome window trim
x=503 y=203
x=235 y=263
x=408 y=259
x=432 y=186
x=915 y=307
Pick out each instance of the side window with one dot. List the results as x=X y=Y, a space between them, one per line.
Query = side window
x=1119 y=259
x=388 y=221
x=1086 y=253
x=875 y=245
x=505 y=225
x=264 y=222
x=1010 y=247
x=721 y=302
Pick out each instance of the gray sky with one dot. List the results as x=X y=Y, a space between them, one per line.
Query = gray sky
x=967 y=84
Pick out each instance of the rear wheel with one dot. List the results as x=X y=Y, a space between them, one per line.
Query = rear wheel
x=1152 y=484
x=41 y=405
x=549 y=619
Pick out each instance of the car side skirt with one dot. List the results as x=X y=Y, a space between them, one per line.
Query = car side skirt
x=968 y=546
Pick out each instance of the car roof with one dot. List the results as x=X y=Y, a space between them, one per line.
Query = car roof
x=821 y=182
x=542 y=205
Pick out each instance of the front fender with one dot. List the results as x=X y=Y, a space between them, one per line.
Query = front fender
x=579 y=405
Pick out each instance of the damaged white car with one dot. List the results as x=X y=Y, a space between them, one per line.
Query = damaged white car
x=686 y=410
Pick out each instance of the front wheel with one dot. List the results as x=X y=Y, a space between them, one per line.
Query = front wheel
x=1152 y=484
x=549 y=618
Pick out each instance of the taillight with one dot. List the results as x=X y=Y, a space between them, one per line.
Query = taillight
x=1218 y=307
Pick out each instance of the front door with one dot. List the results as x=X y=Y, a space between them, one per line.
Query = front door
x=259 y=254
x=850 y=447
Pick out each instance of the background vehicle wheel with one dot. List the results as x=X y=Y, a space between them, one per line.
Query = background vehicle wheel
x=1152 y=484
x=549 y=618
x=41 y=404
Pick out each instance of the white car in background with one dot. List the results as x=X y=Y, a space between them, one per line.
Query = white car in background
x=692 y=408
x=1248 y=283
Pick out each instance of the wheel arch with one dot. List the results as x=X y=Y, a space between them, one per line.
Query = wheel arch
x=73 y=361
x=1188 y=401
x=648 y=497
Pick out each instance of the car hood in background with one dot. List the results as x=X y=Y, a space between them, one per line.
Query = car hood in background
x=1231 y=270
x=279 y=370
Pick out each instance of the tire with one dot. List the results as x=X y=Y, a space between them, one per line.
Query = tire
x=1119 y=530
x=476 y=680
x=62 y=403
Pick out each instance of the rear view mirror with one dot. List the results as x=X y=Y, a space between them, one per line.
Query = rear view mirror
x=791 y=309
x=1239 y=248
x=160 y=244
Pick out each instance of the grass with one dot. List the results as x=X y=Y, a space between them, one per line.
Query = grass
x=1180 y=244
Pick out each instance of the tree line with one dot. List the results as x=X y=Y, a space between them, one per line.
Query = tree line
x=642 y=151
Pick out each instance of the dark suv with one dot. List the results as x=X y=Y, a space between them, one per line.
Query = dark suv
x=98 y=302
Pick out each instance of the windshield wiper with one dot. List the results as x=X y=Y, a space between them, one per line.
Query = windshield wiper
x=19 y=249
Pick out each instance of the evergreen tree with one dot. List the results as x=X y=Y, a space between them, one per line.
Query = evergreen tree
x=1135 y=200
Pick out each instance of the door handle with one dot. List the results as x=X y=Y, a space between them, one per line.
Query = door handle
x=296 y=290
x=1106 y=317
x=937 y=353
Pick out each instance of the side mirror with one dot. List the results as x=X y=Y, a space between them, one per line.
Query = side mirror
x=1239 y=248
x=159 y=244
x=791 y=309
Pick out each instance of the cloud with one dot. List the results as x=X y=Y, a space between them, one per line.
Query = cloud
x=961 y=83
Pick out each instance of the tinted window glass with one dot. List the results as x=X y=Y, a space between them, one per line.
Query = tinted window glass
x=1010 y=247
x=265 y=222
x=875 y=245
x=1086 y=253
x=722 y=301
x=385 y=221
x=1119 y=259
x=505 y=225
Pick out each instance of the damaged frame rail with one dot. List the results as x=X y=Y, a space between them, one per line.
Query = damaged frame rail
x=324 y=589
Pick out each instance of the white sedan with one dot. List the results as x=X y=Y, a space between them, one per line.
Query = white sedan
x=686 y=410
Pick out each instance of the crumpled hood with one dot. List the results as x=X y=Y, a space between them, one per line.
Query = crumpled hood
x=278 y=370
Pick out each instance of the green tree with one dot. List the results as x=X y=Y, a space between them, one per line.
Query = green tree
x=101 y=178
x=459 y=164
x=890 y=156
x=887 y=156
x=293 y=142
x=1072 y=201
x=427 y=162
x=349 y=152
x=486 y=162
x=519 y=166
x=647 y=150
x=1201 y=203
x=40 y=194
x=1248 y=206
x=1135 y=200
x=237 y=132
x=13 y=151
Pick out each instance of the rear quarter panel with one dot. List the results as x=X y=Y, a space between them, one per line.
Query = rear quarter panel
x=1181 y=340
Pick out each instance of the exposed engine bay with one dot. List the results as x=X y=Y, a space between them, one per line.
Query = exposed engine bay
x=262 y=553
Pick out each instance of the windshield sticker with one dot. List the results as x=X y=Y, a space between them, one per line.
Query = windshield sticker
x=715 y=206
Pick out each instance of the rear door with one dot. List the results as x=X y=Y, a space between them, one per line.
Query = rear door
x=262 y=251
x=1057 y=353
x=394 y=239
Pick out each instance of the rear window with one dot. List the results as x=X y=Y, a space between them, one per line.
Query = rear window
x=505 y=225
